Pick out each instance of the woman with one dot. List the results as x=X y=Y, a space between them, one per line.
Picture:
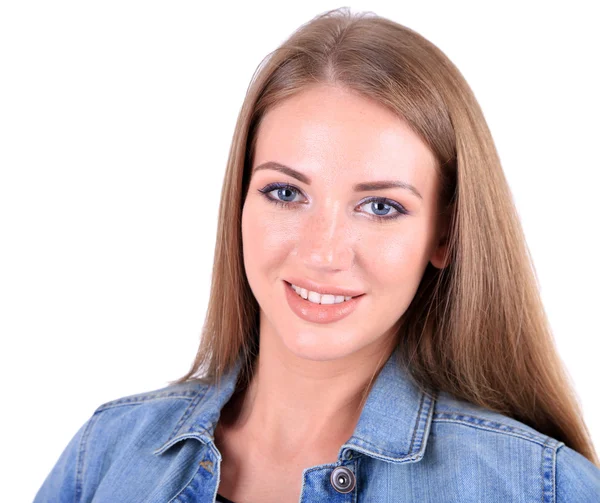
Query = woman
x=374 y=331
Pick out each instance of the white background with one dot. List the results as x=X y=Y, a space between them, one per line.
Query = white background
x=115 y=124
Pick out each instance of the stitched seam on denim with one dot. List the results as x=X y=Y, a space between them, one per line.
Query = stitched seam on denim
x=559 y=445
x=192 y=405
x=186 y=395
x=386 y=454
x=422 y=420
x=200 y=430
x=417 y=423
x=542 y=475
x=81 y=458
x=548 y=467
x=378 y=453
x=516 y=433
x=427 y=422
x=103 y=408
x=377 y=449
x=383 y=457
x=491 y=424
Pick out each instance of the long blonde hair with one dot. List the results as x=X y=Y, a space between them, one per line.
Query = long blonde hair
x=476 y=328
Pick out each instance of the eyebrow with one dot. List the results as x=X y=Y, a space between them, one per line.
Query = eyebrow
x=359 y=187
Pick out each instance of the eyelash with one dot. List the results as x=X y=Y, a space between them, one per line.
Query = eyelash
x=379 y=218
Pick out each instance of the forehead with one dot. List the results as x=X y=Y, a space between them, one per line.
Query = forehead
x=328 y=127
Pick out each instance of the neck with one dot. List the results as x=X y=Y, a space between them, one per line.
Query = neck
x=293 y=404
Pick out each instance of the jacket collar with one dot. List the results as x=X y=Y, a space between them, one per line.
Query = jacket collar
x=393 y=426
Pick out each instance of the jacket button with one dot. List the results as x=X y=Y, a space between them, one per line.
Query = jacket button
x=342 y=479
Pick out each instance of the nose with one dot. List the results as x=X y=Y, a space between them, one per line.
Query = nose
x=327 y=239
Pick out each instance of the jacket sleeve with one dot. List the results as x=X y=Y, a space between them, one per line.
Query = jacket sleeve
x=62 y=484
x=577 y=478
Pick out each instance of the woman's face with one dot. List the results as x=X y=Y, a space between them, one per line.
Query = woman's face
x=316 y=228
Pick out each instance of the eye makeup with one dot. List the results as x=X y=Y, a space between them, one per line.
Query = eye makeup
x=399 y=209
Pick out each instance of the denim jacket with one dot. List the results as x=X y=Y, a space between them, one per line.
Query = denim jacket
x=408 y=446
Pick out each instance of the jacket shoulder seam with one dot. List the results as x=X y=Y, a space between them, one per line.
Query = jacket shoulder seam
x=146 y=397
x=486 y=424
x=80 y=463
x=548 y=469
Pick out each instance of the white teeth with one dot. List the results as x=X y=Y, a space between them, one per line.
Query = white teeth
x=317 y=298
x=328 y=299
x=314 y=297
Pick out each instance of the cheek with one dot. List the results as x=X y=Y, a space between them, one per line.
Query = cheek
x=266 y=240
x=397 y=262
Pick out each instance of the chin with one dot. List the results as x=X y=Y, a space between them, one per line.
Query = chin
x=320 y=346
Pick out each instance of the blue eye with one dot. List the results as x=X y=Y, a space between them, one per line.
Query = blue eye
x=380 y=203
x=286 y=194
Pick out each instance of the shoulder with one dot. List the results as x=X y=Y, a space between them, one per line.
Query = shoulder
x=517 y=452
x=147 y=418
x=469 y=419
x=145 y=406
x=121 y=436
x=577 y=478
x=156 y=412
x=183 y=392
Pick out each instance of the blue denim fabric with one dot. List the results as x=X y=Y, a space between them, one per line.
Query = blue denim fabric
x=408 y=446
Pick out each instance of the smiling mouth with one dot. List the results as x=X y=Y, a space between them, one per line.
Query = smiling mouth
x=320 y=299
x=314 y=310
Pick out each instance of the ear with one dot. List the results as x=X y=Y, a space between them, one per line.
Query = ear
x=439 y=257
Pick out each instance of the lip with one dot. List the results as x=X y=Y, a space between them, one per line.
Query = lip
x=318 y=313
x=323 y=289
